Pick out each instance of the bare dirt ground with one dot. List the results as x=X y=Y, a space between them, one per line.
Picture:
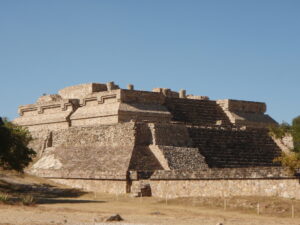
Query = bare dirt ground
x=57 y=204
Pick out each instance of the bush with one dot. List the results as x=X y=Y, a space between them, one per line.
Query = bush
x=27 y=200
x=4 y=198
x=296 y=133
x=289 y=160
x=14 y=153
x=281 y=130
x=284 y=128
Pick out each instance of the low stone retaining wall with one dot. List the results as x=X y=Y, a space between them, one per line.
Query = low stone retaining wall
x=287 y=188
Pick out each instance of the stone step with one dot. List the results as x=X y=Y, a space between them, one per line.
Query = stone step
x=196 y=112
x=228 y=148
x=239 y=160
x=241 y=166
x=239 y=153
x=141 y=189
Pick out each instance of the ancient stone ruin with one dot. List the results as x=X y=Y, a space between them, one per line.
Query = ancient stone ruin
x=102 y=138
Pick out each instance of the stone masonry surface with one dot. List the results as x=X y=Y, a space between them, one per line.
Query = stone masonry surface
x=100 y=137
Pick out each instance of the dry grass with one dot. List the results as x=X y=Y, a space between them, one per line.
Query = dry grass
x=4 y=198
x=22 y=189
x=269 y=206
x=26 y=200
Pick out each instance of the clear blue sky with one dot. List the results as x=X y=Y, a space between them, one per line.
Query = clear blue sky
x=242 y=49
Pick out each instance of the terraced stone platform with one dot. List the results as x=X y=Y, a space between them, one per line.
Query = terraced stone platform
x=102 y=137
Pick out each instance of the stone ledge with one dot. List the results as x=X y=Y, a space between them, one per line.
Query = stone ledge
x=215 y=174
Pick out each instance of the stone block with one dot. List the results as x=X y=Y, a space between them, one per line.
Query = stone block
x=81 y=90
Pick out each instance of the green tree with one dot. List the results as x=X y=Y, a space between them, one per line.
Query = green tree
x=296 y=133
x=14 y=153
x=281 y=130
x=289 y=160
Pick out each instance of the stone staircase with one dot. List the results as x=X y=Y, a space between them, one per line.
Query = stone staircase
x=235 y=148
x=200 y=112
x=141 y=188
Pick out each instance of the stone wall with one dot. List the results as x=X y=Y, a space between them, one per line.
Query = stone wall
x=97 y=109
x=142 y=106
x=200 y=112
x=88 y=152
x=255 y=181
x=48 y=113
x=213 y=174
x=143 y=112
x=287 y=188
x=242 y=106
x=82 y=90
x=96 y=103
x=170 y=134
x=142 y=97
x=246 y=113
x=118 y=105
x=106 y=135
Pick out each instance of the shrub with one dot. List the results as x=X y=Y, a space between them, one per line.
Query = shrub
x=281 y=130
x=27 y=200
x=14 y=153
x=290 y=160
x=296 y=133
x=4 y=198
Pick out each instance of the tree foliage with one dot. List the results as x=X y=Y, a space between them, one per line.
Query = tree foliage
x=14 y=153
x=296 y=133
x=289 y=160
x=281 y=130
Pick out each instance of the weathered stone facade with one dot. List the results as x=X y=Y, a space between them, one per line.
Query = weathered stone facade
x=103 y=138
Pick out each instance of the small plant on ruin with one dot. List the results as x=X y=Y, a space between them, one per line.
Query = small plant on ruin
x=27 y=200
x=4 y=198
x=14 y=153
